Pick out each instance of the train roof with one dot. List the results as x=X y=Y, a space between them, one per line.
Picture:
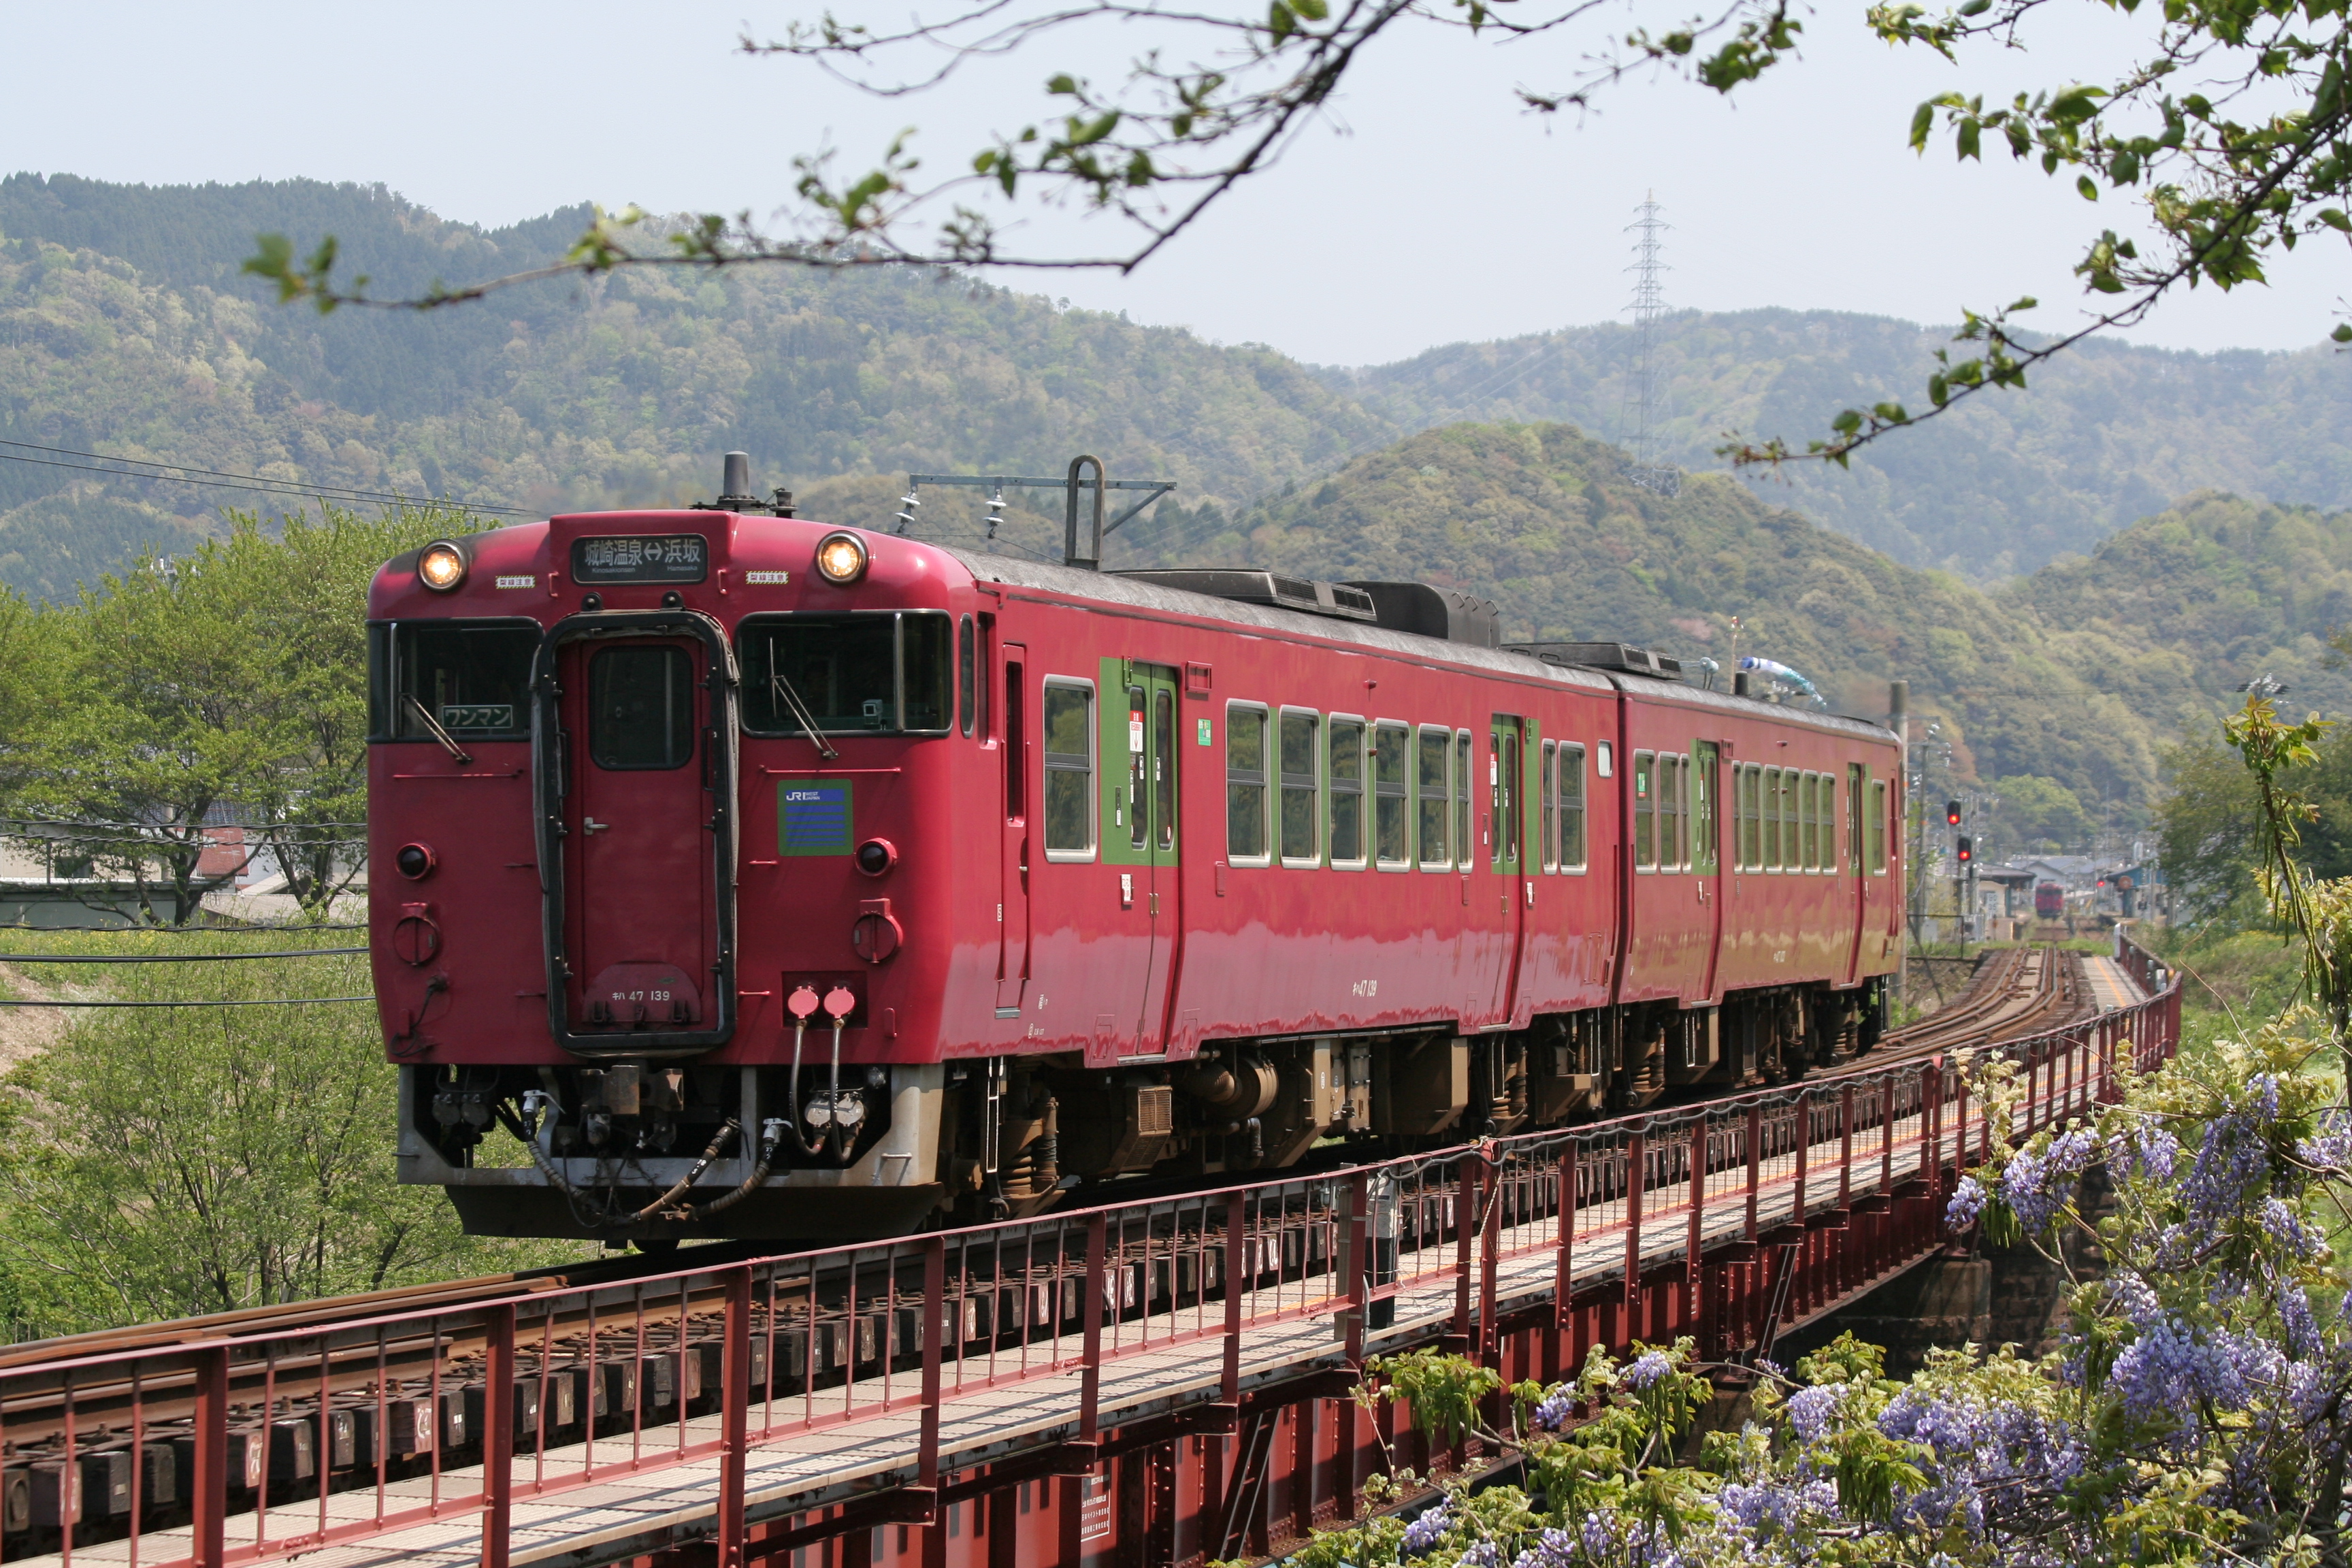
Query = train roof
x=1143 y=594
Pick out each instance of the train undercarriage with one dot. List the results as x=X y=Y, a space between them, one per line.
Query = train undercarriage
x=655 y=1152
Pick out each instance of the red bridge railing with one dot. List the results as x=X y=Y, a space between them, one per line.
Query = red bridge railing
x=1727 y=1221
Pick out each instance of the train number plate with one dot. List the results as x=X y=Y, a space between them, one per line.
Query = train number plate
x=663 y=558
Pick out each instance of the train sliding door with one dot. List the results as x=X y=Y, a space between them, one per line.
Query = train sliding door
x=1857 y=802
x=1707 y=856
x=1140 y=827
x=1506 y=851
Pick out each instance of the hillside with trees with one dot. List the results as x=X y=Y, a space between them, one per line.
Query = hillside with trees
x=127 y=327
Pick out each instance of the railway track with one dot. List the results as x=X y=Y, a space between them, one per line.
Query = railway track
x=325 y=1396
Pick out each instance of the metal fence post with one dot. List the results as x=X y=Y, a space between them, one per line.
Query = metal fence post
x=1697 y=1243
x=1564 y=1277
x=1490 y=1247
x=1229 y=1386
x=209 y=1490
x=498 y=1434
x=1636 y=1156
x=1466 y=1223
x=1090 y=1374
x=734 y=1416
x=935 y=1322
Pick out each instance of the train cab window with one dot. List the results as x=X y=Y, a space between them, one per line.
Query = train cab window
x=1877 y=827
x=1571 y=808
x=1245 y=837
x=472 y=677
x=1464 y=843
x=967 y=675
x=640 y=707
x=1069 y=768
x=1345 y=778
x=1431 y=774
x=1550 y=805
x=1391 y=812
x=1301 y=784
x=862 y=674
x=1645 y=812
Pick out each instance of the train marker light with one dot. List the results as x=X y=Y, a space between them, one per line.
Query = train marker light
x=441 y=566
x=876 y=856
x=416 y=861
x=841 y=559
x=1952 y=813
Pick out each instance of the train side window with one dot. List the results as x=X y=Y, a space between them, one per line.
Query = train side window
x=1301 y=782
x=1550 y=805
x=1793 y=860
x=1430 y=782
x=1571 y=808
x=1769 y=806
x=1069 y=768
x=1465 y=842
x=1668 y=789
x=1855 y=776
x=1877 y=827
x=1705 y=845
x=967 y=673
x=1810 y=803
x=1345 y=777
x=1645 y=808
x=1016 y=745
x=1829 y=805
x=1391 y=814
x=1245 y=838
x=1751 y=821
x=1139 y=782
x=1164 y=766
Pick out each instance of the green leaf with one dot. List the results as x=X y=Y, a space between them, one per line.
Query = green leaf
x=2088 y=187
x=1311 y=10
x=1966 y=136
x=1280 y=20
x=2342 y=334
x=1923 y=121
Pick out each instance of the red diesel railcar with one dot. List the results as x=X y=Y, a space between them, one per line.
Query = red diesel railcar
x=763 y=878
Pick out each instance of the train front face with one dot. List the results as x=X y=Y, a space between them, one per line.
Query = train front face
x=645 y=820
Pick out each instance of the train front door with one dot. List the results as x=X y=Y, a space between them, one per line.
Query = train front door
x=643 y=765
x=1142 y=841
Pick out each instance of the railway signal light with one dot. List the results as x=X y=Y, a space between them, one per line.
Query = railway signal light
x=1952 y=813
x=1966 y=849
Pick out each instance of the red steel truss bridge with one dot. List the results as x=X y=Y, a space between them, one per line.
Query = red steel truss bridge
x=1161 y=1382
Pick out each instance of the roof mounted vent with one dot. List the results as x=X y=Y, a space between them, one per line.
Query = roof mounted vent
x=1247 y=586
x=1430 y=611
x=1617 y=656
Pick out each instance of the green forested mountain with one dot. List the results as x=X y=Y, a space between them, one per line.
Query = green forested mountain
x=2108 y=433
x=125 y=326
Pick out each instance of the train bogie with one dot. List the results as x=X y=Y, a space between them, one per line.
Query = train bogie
x=735 y=875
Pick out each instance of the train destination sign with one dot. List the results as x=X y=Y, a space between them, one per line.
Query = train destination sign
x=664 y=558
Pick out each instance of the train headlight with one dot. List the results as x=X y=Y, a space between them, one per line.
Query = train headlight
x=441 y=566
x=841 y=559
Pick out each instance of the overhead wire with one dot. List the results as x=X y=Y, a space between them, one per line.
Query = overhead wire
x=221 y=479
x=168 y=958
x=244 y=1002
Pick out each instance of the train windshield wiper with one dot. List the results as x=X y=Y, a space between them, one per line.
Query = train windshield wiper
x=807 y=720
x=433 y=727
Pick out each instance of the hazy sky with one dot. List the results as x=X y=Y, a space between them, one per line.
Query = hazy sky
x=1429 y=210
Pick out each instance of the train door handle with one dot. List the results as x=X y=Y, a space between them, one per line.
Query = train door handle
x=591 y=826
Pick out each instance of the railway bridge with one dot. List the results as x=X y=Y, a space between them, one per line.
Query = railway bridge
x=1160 y=1382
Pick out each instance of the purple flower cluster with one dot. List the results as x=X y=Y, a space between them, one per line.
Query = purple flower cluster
x=2291 y=1231
x=1810 y=1410
x=1989 y=1460
x=2233 y=1157
x=1779 y=1504
x=2144 y=1150
x=1422 y=1533
x=2172 y=1366
x=1648 y=1369
x=1967 y=1203
x=2039 y=1187
x=2329 y=1150
x=1556 y=1410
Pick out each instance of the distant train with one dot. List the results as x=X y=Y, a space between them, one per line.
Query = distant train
x=735 y=874
x=2049 y=901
